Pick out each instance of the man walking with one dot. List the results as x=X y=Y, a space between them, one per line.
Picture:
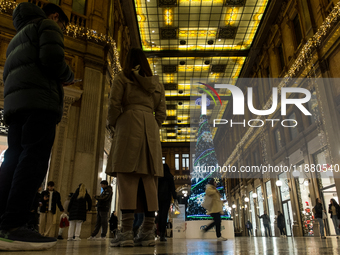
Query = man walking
x=266 y=222
x=50 y=200
x=34 y=73
x=103 y=208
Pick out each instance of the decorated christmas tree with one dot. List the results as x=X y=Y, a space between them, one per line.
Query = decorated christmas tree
x=205 y=162
x=308 y=220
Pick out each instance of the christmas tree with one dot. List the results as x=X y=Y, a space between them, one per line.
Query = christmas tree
x=308 y=220
x=205 y=162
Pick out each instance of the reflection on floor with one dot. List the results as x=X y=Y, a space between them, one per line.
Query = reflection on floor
x=239 y=245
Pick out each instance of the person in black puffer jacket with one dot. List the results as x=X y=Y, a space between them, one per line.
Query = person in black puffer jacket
x=318 y=209
x=77 y=211
x=166 y=189
x=34 y=74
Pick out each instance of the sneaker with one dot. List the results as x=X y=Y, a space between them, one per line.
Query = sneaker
x=70 y=239
x=323 y=237
x=24 y=239
x=221 y=238
x=91 y=238
x=123 y=239
x=77 y=238
x=145 y=238
x=102 y=238
x=60 y=237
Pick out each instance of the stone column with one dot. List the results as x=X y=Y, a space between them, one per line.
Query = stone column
x=57 y=171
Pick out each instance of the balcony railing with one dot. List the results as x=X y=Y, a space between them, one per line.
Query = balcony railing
x=78 y=19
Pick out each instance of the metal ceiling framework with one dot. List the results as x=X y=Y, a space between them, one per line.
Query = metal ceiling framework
x=191 y=39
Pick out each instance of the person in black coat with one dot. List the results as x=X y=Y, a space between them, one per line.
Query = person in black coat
x=166 y=188
x=34 y=73
x=113 y=222
x=281 y=224
x=80 y=203
x=334 y=211
x=318 y=211
x=249 y=227
x=50 y=199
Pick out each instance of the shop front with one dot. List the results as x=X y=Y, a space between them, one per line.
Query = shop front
x=326 y=185
x=286 y=203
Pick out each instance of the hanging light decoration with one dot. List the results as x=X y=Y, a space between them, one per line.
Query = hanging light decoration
x=279 y=183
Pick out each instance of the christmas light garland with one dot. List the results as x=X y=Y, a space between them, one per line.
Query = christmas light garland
x=87 y=34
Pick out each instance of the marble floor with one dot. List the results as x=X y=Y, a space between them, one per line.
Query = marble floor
x=239 y=246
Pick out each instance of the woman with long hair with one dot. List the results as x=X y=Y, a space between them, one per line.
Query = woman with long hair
x=334 y=211
x=136 y=112
x=77 y=211
x=318 y=211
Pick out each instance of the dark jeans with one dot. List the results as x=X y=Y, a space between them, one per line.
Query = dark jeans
x=139 y=217
x=250 y=231
x=30 y=139
x=101 y=223
x=163 y=214
x=267 y=227
x=282 y=231
x=216 y=223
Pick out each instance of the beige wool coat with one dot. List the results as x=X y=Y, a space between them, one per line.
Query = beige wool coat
x=216 y=203
x=136 y=111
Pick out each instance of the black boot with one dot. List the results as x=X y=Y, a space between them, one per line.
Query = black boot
x=60 y=237
x=163 y=239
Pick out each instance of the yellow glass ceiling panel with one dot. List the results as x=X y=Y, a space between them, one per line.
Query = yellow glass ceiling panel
x=198 y=19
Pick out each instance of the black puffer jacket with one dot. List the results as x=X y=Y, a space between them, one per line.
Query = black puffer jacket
x=77 y=207
x=318 y=210
x=35 y=67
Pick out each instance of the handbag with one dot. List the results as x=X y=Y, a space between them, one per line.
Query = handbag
x=324 y=215
x=175 y=209
x=64 y=221
x=207 y=203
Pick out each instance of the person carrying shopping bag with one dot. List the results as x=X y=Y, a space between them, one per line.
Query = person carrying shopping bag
x=80 y=204
x=214 y=206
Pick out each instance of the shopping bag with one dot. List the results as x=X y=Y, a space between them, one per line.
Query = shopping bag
x=175 y=209
x=324 y=215
x=64 y=221
x=207 y=203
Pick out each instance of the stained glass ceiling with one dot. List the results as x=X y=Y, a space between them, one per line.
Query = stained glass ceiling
x=177 y=34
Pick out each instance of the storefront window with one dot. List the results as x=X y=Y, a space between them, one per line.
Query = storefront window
x=260 y=206
x=305 y=206
x=271 y=211
x=252 y=210
x=322 y=160
x=284 y=189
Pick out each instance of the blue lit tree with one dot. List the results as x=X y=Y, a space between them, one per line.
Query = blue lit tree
x=205 y=157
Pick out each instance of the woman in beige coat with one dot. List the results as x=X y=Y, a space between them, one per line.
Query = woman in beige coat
x=215 y=208
x=136 y=112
